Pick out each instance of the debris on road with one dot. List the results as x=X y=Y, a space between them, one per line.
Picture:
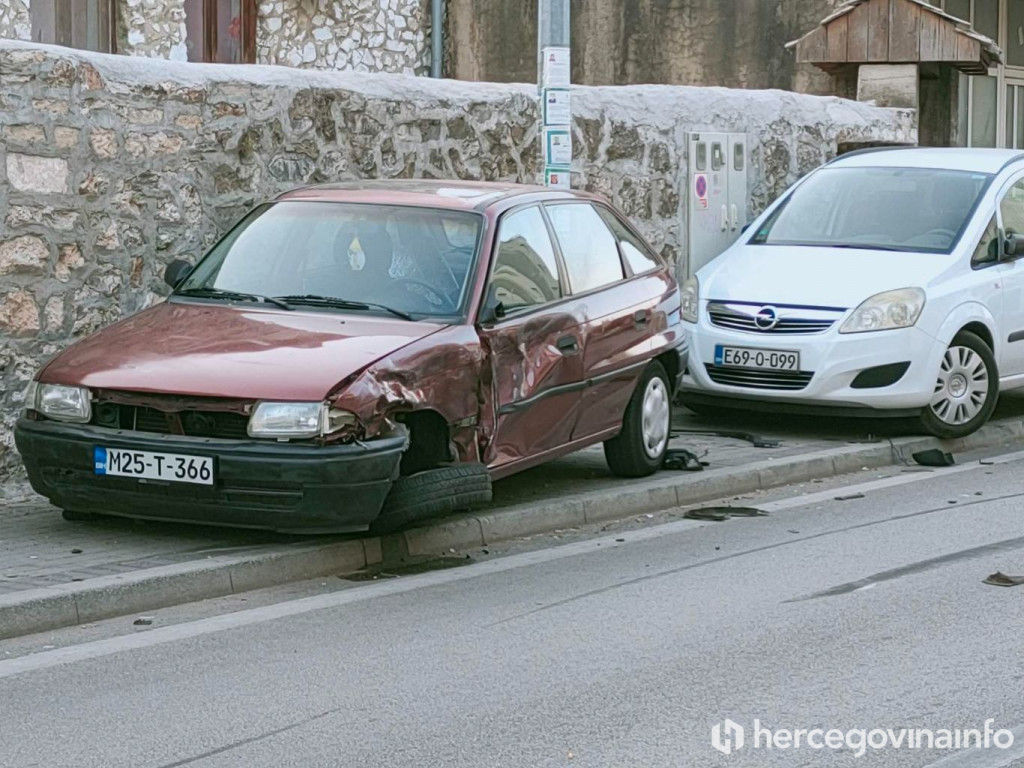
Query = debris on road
x=999 y=579
x=683 y=460
x=718 y=514
x=755 y=440
x=934 y=458
x=143 y=621
x=850 y=497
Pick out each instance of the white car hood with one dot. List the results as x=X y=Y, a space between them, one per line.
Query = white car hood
x=811 y=276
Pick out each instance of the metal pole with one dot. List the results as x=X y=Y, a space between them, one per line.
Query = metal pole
x=436 y=38
x=553 y=79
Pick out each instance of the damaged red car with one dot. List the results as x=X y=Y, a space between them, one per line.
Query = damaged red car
x=366 y=356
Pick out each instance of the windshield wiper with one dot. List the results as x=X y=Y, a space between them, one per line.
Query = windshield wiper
x=217 y=293
x=865 y=247
x=330 y=301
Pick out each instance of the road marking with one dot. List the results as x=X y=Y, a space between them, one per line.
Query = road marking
x=977 y=757
x=108 y=646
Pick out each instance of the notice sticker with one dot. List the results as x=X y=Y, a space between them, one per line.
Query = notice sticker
x=558 y=178
x=556 y=68
x=557 y=146
x=700 y=189
x=557 y=106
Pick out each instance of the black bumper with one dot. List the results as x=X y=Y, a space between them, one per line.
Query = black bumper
x=286 y=487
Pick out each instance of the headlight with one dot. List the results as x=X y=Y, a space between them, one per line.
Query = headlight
x=59 y=402
x=691 y=300
x=886 y=311
x=287 y=420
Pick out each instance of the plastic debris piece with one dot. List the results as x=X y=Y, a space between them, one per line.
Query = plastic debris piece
x=143 y=621
x=682 y=460
x=850 y=497
x=999 y=579
x=934 y=458
x=76 y=551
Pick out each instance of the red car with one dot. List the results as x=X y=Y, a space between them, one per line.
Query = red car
x=366 y=355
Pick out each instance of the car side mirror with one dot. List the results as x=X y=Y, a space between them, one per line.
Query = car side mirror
x=493 y=309
x=176 y=271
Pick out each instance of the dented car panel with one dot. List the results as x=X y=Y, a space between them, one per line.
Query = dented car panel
x=405 y=382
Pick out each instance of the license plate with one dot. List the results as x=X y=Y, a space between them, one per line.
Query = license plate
x=749 y=357
x=145 y=465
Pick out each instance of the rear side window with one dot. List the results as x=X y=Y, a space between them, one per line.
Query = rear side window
x=590 y=251
x=636 y=253
x=525 y=270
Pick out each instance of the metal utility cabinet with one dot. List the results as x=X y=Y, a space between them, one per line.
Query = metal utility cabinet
x=717 y=195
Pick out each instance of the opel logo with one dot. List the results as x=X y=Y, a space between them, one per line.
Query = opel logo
x=767 y=318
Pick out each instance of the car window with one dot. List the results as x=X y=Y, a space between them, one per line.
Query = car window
x=637 y=254
x=588 y=246
x=525 y=269
x=415 y=260
x=1012 y=209
x=987 y=251
x=921 y=210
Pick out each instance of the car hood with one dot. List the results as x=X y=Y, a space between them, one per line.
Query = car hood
x=219 y=350
x=821 y=277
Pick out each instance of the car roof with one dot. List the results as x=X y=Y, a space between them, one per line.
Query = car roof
x=947 y=158
x=429 y=193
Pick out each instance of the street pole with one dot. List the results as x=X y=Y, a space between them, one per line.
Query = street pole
x=554 y=77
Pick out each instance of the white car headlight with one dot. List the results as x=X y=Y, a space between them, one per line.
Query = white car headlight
x=297 y=420
x=691 y=300
x=886 y=311
x=60 y=402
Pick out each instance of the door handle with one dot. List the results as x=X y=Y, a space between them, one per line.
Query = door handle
x=640 y=317
x=725 y=218
x=735 y=217
x=568 y=345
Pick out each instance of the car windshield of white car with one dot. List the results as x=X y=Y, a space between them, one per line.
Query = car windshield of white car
x=325 y=256
x=921 y=210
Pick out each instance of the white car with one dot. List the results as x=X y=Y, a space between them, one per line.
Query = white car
x=886 y=282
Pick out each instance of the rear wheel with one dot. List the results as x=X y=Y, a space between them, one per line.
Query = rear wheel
x=966 y=389
x=639 y=449
x=433 y=493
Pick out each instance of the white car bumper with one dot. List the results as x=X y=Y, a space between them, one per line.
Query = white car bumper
x=830 y=362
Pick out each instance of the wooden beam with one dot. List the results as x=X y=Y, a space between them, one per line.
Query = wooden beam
x=857 y=42
x=930 y=48
x=878 y=30
x=904 y=31
x=968 y=49
x=837 y=39
x=813 y=47
x=947 y=43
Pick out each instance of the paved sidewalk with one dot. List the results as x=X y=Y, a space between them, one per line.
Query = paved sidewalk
x=39 y=551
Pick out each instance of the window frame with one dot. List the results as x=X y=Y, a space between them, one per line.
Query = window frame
x=563 y=275
x=248 y=13
x=52 y=22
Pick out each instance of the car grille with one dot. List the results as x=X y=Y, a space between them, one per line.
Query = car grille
x=219 y=424
x=755 y=378
x=791 y=320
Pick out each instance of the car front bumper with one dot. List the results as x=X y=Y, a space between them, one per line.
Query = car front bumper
x=834 y=359
x=292 y=488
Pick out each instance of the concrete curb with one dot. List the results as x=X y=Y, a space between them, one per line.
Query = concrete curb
x=40 y=610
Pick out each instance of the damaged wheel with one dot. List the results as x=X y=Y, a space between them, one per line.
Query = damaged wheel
x=433 y=493
x=639 y=449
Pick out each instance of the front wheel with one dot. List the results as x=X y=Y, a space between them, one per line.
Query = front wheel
x=639 y=449
x=966 y=389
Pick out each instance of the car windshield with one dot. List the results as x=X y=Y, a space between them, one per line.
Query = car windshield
x=897 y=209
x=375 y=258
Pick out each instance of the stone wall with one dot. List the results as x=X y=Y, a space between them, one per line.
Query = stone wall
x=357 y=35
x=15 y=21
x=153 y=28
x=111 y=166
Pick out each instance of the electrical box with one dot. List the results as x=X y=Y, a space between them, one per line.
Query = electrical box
x=718 y=195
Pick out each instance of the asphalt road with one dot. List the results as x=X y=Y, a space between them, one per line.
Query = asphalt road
x=857 y=614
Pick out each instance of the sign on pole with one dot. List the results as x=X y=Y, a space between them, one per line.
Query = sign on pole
x=554 y=78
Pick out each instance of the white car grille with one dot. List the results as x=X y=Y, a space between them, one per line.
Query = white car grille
x=776 y=319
